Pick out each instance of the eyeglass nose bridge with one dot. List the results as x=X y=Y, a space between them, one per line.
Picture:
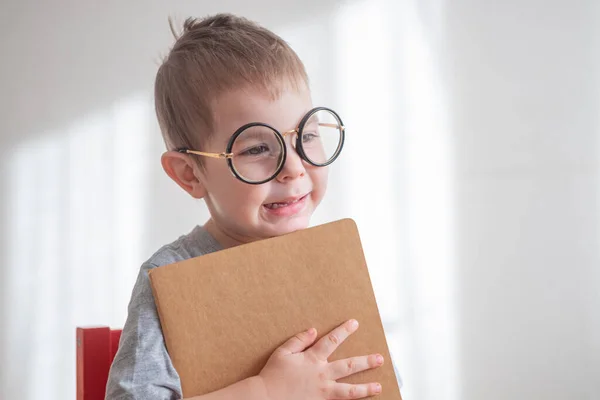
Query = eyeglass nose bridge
x=284 y=134
x=290 y=133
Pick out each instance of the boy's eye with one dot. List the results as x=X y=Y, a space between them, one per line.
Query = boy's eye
x=308 y=137
x=256 y=150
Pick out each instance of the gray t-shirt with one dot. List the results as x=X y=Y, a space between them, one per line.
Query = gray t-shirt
x=142 y=368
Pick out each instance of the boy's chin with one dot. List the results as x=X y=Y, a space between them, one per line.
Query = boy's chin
x=289 y=226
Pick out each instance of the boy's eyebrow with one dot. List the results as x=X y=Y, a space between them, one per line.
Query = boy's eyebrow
x=256 y=132
x=313 y=118
x=248 y=133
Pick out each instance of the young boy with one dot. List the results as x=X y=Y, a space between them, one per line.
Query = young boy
x=235 y=110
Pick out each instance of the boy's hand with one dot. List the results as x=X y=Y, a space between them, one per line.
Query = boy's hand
x=296 y=372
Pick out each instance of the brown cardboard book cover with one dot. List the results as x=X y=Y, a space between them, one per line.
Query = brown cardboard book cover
x=224 y=313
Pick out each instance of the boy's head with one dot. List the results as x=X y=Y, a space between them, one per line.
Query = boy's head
x=222 y=73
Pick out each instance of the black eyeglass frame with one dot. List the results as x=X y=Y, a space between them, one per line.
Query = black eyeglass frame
x=228 y=155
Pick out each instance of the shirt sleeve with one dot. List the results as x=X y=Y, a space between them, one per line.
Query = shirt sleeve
x=142 y=368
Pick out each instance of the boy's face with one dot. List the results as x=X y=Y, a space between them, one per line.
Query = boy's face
x=241 y=212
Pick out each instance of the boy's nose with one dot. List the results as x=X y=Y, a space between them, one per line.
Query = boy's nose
x=293 y=167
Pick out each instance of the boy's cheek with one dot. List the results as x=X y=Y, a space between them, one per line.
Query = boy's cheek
x=322 y=178
x=320 y=185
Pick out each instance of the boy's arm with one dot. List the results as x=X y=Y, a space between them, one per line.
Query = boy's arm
x=142 y=368
x=247 y=389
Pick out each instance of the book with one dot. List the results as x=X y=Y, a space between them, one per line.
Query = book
x=223 y=314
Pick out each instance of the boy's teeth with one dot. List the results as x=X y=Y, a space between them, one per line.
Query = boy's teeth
x=282 y=204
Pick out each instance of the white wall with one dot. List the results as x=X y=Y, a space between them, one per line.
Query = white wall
x=478 y=201
x=524 y=84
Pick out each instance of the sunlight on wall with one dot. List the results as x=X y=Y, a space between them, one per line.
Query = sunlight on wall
x=75 y=224
x=398 y=154
x=370 y=187
x=430 y=196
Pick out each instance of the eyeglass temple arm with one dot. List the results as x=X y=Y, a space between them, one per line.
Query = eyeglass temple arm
x=341 y=127
x=328 y=125
x=202 y=153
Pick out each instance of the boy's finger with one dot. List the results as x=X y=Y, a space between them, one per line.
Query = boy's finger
x=328 y=343
x=342 y=368
x=349 y=391
x=298 y=343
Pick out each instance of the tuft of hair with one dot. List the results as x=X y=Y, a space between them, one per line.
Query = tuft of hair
x=211 y=56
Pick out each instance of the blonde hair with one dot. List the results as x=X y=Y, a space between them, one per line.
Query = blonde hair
x=211 y=56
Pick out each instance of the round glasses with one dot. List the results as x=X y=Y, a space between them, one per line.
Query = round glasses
x=256 y=152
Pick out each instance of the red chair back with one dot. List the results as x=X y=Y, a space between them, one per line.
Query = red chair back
x=96 y=349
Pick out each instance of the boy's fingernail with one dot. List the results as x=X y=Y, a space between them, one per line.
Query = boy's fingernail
x=353 y=324
x=311 y=331
x=379 y=359
x=377 y=388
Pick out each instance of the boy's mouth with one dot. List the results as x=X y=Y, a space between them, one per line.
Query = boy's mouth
x=286 y=203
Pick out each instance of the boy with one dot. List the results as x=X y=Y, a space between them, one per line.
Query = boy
x=235 y=111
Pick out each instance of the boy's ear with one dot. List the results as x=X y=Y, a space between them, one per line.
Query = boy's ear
x=182 y=169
